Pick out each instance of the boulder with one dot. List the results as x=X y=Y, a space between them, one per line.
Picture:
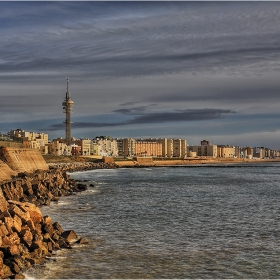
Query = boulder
x=69 y=235
x=6 y=272
x=26 y=237
x=57 y=228
x=13 y=250
x=40 y=249
x=17 y=223
x=14 y=238
x=28 y=211
x=12 y=265
x=23 y=215
x=18 y=276
x=47 y=225
x=3 y=205
x=82 y=241
x=3 y=229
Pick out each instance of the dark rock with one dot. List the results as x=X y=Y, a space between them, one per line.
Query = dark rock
x=26 y=237
x=57 y=228
x=69 y=235
x=82 y=241
x=6 y=272
x=3 y=204
x=18 y=276
x=82 y=187
x=12 y=265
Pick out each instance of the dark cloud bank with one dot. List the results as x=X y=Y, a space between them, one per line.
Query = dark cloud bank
x=156 y=117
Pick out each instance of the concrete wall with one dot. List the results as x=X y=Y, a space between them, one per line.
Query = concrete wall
x=11 y=144
x=21 y=160
x=6 y=172
x=144 y=160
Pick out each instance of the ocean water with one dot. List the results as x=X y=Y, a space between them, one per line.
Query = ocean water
x=171 y=222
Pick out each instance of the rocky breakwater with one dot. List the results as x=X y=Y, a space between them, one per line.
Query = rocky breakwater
x=26 y=237
x=82 y=166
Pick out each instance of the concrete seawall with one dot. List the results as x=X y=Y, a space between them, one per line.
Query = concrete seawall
x=23 y=160
x=6 y=172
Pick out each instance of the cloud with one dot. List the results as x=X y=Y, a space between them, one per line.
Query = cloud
x=155 y=117
x=109 y=41
x=131 y=111
x=121 y=56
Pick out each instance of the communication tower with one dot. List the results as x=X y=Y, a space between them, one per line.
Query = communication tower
x=67 y=109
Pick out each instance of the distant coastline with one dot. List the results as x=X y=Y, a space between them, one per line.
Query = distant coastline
x=88 y=162
x=193 y=161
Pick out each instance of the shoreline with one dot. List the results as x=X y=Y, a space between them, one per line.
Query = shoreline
x=188 y=162
x=76 y=166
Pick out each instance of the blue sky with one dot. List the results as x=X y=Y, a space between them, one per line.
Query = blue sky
x=191 y=70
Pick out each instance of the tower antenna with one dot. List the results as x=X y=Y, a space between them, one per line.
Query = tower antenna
x=67 y=88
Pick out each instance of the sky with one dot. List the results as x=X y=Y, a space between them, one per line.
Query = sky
x=189 y=70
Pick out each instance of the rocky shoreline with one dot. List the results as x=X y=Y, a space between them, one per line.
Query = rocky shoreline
x=26 y=237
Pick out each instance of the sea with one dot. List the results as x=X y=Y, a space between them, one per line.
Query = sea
x=183 y=222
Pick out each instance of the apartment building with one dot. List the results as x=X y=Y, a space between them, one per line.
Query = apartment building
x=156 y=147
x=58 y=147
x=126 y=147
x=259 y=152
x=86 y=146
x=106 y=146
x=246 y=152
x=203 y=150
x=167 y=146
x=29 y=136
x=237 y=152
x=172 y=147
x=225 y=151
x=148 y=147
x=179 y=148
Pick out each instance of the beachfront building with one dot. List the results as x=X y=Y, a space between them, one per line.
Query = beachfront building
x=155 y=147
x=247 y=152
x=225 y=151
x=126 y=147
x=164 y=145
x=259 y=152
x=167 y=146
x=237 y=152
x=274 y=153
x=106 y=146
x=172 y=147
x=179 y=148
x=204 y=150
x=148 y=147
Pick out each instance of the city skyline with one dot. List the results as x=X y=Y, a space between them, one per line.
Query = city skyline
x=189 y=70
